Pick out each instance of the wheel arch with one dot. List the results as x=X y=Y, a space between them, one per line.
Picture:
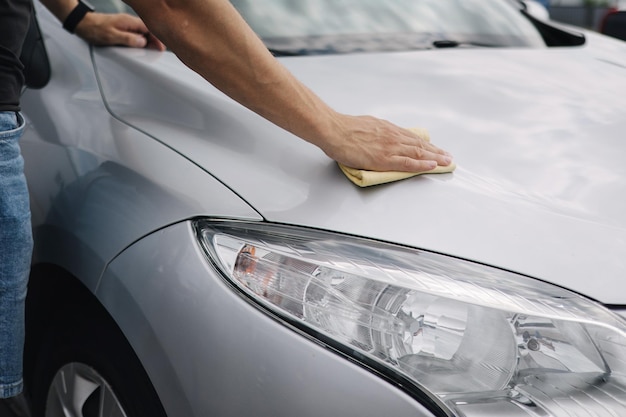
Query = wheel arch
x=52 y=293
x=55 y=297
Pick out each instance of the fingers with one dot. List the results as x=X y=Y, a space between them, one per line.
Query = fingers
x=420 y=150
x=132 y=40
x=155 y=43
x=117 y=29
x=405 y=150
x=425 y=161
x=422 y=155
x=131 y=31
x=129 y=23
x=406 y=164
x=377 y=145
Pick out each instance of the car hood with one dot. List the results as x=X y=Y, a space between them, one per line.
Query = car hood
x=537 y=134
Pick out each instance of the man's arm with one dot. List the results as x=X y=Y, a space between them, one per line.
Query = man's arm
x=213 y=39
x=106 y=28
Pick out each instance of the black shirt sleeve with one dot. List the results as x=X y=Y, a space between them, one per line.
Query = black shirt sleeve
x=14 y=21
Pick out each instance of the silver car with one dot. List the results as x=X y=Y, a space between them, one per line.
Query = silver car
x=194 y=260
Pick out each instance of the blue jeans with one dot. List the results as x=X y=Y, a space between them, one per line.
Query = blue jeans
x=16 y=244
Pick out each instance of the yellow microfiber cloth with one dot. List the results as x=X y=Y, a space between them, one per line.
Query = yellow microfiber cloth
x=364 y=178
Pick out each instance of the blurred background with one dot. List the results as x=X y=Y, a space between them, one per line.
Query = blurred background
x=586 y=13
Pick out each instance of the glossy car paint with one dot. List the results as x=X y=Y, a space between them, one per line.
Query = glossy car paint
x=91 y=215
x=123 y=147
x=533 y=133
x=78 y=169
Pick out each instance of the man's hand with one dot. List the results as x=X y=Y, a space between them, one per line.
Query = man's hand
x=117 y=29
x=365 y=142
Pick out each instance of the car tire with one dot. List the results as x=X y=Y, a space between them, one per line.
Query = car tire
x=89 y=368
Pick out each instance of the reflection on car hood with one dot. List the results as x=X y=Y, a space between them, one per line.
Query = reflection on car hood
x=538 y=136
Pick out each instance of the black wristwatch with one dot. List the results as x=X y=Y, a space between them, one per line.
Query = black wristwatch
x=76 y=15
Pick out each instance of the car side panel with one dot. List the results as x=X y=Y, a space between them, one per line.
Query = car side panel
x=197 y=336
x=97 y=185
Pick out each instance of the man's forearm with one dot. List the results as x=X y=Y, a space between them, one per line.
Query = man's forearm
x=212 y=39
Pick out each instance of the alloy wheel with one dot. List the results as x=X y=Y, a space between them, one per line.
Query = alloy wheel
x=77 y=390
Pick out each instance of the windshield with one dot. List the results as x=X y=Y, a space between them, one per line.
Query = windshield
x=305 y=27
x=330 y=26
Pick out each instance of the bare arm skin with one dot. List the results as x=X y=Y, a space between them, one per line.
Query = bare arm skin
x=213 y=39
x=107 y=28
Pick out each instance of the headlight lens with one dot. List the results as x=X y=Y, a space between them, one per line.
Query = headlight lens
x=481 y=340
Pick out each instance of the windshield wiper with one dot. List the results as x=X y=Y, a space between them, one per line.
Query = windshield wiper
x=284 y=52
x=324 y=45
x=450 y=43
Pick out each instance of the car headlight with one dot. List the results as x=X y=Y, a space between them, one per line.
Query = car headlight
x=476 y=340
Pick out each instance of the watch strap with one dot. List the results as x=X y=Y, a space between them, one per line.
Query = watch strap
x=76 y=15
